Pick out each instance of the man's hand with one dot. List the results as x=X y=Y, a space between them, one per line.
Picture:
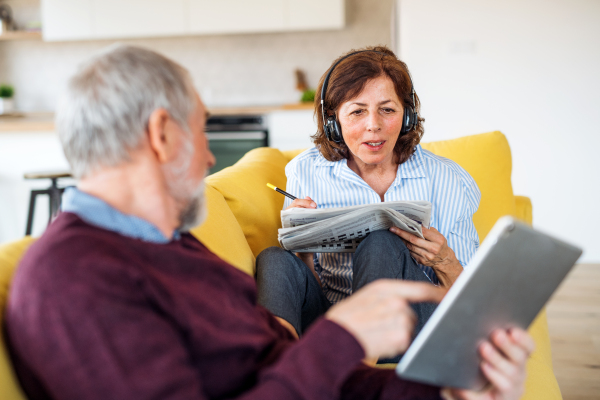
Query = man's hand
x=503 y=364
x=379 y=315
x=433 y=251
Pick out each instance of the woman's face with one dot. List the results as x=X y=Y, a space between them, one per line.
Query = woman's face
x=371 y=122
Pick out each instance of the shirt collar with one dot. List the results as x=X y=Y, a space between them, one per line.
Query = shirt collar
x=97 y=212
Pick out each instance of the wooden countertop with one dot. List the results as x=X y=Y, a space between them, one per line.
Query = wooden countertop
x=30 y=122
x=44 y=122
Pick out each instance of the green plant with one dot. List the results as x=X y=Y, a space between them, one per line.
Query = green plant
x=308 y=96
x=6 y=91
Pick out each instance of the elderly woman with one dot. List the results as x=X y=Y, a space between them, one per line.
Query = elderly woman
x=367 y=151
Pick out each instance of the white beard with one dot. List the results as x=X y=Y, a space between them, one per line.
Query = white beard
x=194 y=213
x=189 y=195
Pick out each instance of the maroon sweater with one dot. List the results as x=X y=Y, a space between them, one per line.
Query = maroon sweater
x=96 y=315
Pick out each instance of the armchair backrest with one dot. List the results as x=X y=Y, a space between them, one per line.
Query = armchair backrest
x=256 y=208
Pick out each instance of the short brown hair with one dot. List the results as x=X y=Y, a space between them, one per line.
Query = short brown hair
x=348 y=80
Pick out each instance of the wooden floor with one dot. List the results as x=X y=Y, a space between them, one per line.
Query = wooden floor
x=574 y=325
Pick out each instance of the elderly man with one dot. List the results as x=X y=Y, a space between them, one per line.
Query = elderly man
x=117 y=301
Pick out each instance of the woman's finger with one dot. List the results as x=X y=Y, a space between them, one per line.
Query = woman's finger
x=419 y=251
x=418 y=258
x=413 y=239
x=306 y=202
x=432 y=234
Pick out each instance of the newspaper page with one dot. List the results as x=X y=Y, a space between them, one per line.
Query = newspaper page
x=341 y=229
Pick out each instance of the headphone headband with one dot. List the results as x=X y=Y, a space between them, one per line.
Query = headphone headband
x=326 y=80
x=332 y=129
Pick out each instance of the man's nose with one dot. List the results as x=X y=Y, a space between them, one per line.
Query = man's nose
x=211 y=159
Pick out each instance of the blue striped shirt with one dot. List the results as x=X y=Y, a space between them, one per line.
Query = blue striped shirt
x=424 y=176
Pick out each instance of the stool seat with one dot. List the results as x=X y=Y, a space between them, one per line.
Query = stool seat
x=47 y=175
x=54 y=194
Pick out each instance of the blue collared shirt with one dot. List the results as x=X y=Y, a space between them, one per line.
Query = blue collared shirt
x=99 y=213
x=424 y=176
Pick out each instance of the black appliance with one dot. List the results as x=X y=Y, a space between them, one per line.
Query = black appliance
x=232 y=136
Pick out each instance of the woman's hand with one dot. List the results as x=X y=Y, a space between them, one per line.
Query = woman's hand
x=503 y=364
x=433 y=251
x=306 y=202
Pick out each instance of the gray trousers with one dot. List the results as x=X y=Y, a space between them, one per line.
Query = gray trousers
x=288 y=289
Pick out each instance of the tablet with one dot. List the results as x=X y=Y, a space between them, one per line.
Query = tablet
x=506 y=284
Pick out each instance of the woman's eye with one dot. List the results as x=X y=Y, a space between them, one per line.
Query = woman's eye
x=388 y=110
x=356 y=112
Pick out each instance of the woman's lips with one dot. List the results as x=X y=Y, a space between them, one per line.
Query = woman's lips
x=374 y=145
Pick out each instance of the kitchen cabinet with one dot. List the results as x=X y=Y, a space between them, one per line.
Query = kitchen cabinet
x=67 y=19
x=112 y=19
x=315 y=14
x=138 y=18
x=236 y=16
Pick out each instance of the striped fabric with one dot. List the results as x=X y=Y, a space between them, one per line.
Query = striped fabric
x=425 y=176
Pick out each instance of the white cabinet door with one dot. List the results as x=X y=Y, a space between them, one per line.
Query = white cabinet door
x=139 y=18
x=67 y=19
x=236 y=16
x=315 y=14
x=111 y=19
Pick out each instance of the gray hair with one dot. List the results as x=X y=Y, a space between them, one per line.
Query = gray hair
x=104 y=113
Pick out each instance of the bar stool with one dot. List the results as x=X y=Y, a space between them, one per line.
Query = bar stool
x=54 y=194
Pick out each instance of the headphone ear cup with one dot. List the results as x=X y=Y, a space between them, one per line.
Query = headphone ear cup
x=327 y=132
x=415 y=121
x=409 y=120
x=333 y=131
x=337 y=132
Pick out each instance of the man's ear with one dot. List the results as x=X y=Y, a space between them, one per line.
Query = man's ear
x=161 y=135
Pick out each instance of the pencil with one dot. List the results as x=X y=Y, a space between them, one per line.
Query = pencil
x=275 y=188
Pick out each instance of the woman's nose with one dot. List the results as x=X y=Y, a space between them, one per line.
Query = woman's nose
x=373 y=122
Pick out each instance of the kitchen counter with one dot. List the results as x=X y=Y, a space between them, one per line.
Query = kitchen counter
x=38 y=122
x=31 y=122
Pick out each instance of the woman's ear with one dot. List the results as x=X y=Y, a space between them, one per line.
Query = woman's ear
x=162 y=136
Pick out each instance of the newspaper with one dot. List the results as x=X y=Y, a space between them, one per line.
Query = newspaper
x=341 y=229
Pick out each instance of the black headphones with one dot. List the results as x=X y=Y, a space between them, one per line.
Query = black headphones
x=332 y=128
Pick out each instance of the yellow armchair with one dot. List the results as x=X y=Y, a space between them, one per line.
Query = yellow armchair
x=243 y=219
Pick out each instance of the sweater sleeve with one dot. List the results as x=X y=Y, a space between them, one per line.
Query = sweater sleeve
x=315 y=367
x=326 y=364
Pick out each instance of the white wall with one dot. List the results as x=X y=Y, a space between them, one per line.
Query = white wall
x=530 y=68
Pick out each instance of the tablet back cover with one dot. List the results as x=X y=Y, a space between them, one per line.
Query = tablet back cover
x=507 y=283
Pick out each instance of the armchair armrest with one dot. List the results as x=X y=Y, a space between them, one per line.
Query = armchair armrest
x=524 y=209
